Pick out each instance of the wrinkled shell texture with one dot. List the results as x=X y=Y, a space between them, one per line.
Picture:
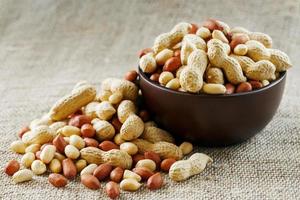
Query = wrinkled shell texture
x=163 y=149
x=126 y=108
x=105 y=110
x=214 y=75
x=154 y=134
x=190 y=43
x=191 y=77
x=215 y=40
x=184 y=169
x=104 y=130
x=72 y=102
x=128 y=89
x=132 y=128
x=231 y=67
x=148 y=63
x=257 y=51
x=39 y=135
x=166 y=40
x=114 y=157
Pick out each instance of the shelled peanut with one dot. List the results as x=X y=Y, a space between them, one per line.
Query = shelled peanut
x=86 y=134
x=224 y=56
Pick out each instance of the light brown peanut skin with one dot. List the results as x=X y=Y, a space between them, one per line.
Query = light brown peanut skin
x=102 y=171
x=153 y=156
x=69 y=168
x=57 y=180
x=12 y=167
x=155 y=181
x=108 y=145
x=59 y=143
x=166 y=164
x=143 y=172
x=112 y=190
x=116 y=174
x=90 y=181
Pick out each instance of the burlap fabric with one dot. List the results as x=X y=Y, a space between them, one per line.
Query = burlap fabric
x=47 y=46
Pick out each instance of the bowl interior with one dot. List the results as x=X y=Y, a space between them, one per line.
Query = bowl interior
x=279 y=79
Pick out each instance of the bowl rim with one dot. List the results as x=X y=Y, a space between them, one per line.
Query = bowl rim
x=273 y=83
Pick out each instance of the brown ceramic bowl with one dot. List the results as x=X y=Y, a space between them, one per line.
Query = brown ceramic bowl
x=212 y=120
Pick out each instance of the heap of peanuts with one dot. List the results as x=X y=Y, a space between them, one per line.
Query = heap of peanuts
x=103 y=137
x=213 y=59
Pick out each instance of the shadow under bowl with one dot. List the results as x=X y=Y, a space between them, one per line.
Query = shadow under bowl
x=212 y=120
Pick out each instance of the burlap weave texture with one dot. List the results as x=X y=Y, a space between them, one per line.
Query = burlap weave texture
x=47 y=46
